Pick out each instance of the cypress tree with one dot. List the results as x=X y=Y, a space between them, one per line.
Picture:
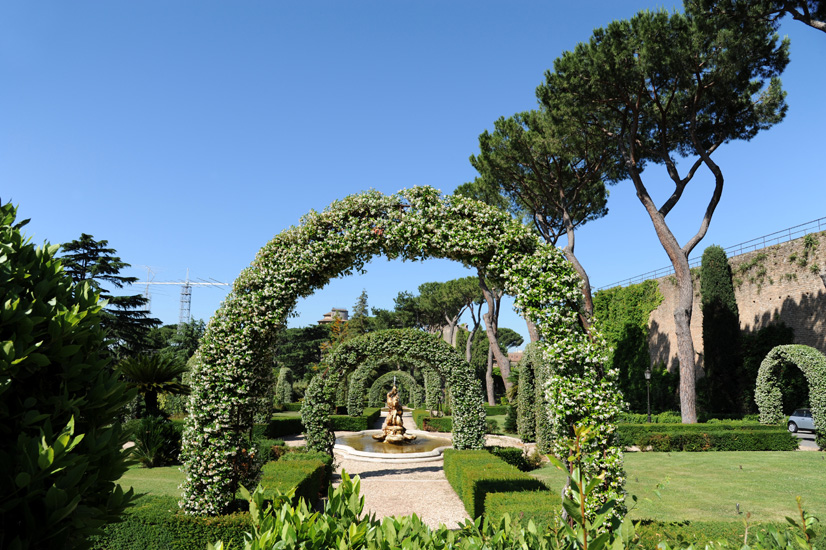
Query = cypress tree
x=722 y=348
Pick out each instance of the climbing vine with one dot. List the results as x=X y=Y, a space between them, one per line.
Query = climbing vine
x=408 y=388
x=768 y=395
x=234 y=357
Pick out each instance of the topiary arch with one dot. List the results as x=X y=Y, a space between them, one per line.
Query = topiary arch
x=767 y=393
x=233 y=364
x=357 y=387
x=414 y=392
x=407 y=345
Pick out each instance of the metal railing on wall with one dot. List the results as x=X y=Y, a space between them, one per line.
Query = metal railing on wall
x=771 y=239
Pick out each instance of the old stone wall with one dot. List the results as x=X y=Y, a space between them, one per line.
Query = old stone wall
x=785 y=282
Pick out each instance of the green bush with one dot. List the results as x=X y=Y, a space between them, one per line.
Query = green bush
x=306 y=476
x=496 y=410
x=270 y=450
x=303 y=454
x=279 y=426
x=287 y=407
x=722 y=436
x=429 y=423
x=155 y=523
x=157 y=441
x=474 y=474
x=512 y=455
x=701 y=533
x=343 y=422
x=524 y=506
x=61 y=452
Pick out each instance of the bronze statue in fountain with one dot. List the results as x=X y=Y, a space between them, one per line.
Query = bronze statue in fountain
x=393 y=431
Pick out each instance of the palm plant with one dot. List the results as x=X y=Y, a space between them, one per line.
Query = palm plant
x=152 y=375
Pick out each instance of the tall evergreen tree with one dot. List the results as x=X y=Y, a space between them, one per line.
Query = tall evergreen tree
x=125 y=317
x=723 y=360
x=359 y=322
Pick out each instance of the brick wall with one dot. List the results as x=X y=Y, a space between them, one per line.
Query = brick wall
x=774 y=283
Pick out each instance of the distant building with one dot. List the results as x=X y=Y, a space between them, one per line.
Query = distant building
x=515 y=356
x=330 y=316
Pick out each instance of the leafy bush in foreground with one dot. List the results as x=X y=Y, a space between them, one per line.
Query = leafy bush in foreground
x=60 y=442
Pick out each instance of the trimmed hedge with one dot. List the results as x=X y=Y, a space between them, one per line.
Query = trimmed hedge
x=512 y=455
x=722 y=436
x=156 y=523
x=306 y=475
x=347 y=423
x=314 y=455
x=270 y=449
x=280 y=426
x=673 y=417
x=700 y=533
x=429 y=423
x=474 y=474
x=496 y=410
x=539 y=506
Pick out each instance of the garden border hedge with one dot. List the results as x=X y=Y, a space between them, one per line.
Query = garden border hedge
x=473 y=474
x=706 y=437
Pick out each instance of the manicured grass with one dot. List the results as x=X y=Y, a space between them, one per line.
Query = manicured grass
x=285 y=414
x=708 y=486
x=157 y=481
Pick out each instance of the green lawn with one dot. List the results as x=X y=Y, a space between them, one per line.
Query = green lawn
x=157 y=481
x=707 y=486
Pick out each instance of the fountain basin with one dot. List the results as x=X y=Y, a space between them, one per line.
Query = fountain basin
x=362 y=446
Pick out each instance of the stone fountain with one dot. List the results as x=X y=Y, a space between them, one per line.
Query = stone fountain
x=393 y=430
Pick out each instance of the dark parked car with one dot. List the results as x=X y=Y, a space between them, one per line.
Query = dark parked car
x=801 y=419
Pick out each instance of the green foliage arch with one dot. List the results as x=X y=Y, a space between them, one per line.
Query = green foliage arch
x=233 y=363
x=408 y=345
x=768 y=396
x=407 y=385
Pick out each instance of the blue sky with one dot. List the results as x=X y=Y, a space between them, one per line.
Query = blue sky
x=189 y=133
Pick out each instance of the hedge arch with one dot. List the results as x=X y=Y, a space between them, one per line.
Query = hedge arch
x=234 y=359
x=407 y=345
x=376 y=396
x=767 y=393
x=359 y=379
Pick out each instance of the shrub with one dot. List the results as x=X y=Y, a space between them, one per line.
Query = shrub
x=304 y=475
x=512 y=455
x=474 y=474
x=540 y=506
x=510 y=420
x=432 y=423
x=722 y=436
x=61 y=452
x=496 y=410
x=343 y=422
x=157 y=441
x=270 y=450
x=155 y=523
x=303 y=455
x=280 y=426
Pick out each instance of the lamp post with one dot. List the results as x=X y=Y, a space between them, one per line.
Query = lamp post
x=648 y=384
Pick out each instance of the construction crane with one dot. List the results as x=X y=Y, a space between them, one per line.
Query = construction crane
x=186 y=294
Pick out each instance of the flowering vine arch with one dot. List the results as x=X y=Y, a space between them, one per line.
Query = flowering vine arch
x=232 y=368
x=376 y=395
x=361 y=376
x=768 y=396
x=406 y=345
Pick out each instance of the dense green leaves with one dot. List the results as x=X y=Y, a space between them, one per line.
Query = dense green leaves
x=60 y=442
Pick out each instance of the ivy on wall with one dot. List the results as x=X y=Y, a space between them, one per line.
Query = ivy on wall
x=622 y=315
x=768 y=395
x=234 y=357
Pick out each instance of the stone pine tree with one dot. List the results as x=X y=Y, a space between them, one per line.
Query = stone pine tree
x=808 y=12
x=722 y=352
x=668 y=86
x=552 y=173
x=125 y=317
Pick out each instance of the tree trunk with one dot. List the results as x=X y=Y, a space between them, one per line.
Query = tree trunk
x=491 y=319
x=533 y=332
x=489 y=378
x=685 y=345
